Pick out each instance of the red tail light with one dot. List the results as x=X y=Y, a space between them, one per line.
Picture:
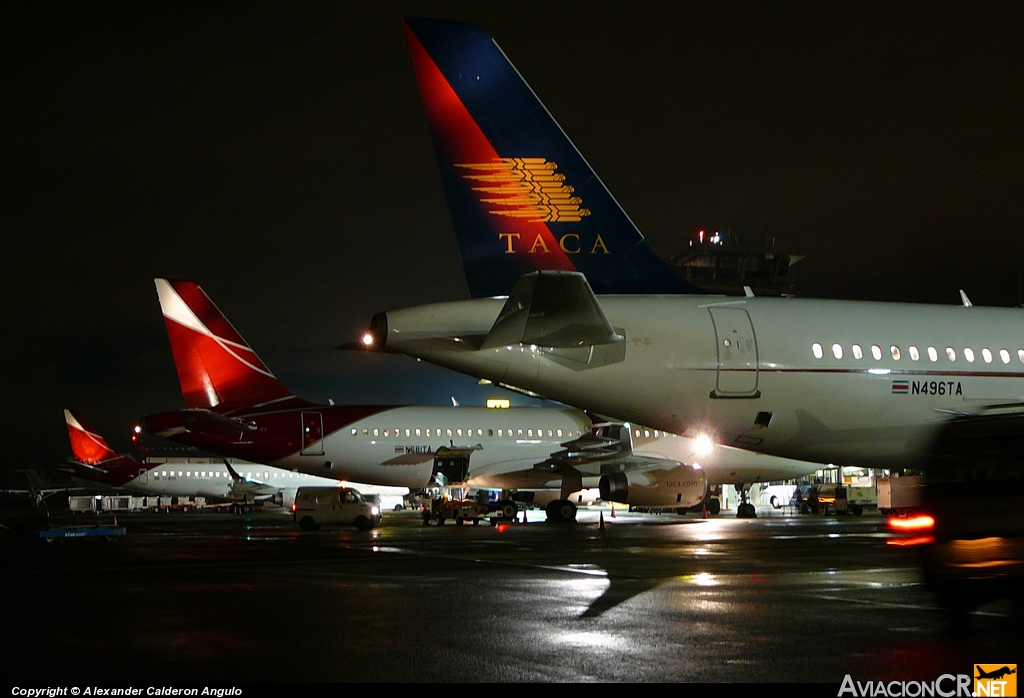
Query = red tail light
x=918 y=523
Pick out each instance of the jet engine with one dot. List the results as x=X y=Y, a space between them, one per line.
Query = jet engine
x=682 y=486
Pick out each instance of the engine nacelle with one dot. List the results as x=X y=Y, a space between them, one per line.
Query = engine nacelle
x=682 y=486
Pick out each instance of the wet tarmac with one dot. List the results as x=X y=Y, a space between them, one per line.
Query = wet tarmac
x=220 y=598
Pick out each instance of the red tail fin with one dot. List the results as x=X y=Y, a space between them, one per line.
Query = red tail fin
x=86 y=445
x=216 y=368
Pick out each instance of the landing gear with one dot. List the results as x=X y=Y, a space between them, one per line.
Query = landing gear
x=714 y=506
x=745 y=510
x=561 y=511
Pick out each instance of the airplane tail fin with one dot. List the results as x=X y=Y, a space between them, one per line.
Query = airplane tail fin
x=521 y=196
x=216 y=367
x=86 y=445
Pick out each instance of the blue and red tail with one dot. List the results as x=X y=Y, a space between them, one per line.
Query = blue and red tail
x=521 y=196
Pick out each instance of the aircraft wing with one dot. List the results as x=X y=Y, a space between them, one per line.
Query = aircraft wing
x=608 y=449
x=241 y=487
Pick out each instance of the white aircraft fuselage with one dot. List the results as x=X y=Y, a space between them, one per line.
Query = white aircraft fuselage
x=845 y=382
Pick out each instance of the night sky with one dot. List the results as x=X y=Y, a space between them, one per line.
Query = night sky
x=277 y=153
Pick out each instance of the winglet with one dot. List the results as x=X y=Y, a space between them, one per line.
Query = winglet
x=521 y=196
x=217 y=369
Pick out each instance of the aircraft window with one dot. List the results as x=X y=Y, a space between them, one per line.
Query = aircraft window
x=458 y=431
x=969 y=355
x=520 y=432
x=387 y=433
x=951 y=353
x=480 y=432
x=816 y=350
x=409 y=433
x=637 y=433
x=179 y=473
x=1004 y=355
x=858 y=353
x=376 y=432
x=987 y=355
x=895 y=351
x=449 y=432
x=418 y=431
x=1020 y=355
x=914 y=353
x=876 y=352
x=398 y=432
x=837 y=351
x=529 y=432
x=550 y=433
x=501 y=432
x=490 y=432
x=933 y=355
x=560 y=431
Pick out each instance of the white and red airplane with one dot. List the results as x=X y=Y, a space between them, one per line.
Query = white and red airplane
x=93 y=459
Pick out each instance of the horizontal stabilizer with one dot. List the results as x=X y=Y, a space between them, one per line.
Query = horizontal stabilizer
x=208 y=421
x=558 y=312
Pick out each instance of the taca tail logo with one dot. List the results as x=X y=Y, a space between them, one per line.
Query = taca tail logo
x=528 y=188
x=995 y=679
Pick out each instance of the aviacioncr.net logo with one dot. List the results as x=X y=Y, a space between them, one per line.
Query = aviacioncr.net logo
x=945 y=686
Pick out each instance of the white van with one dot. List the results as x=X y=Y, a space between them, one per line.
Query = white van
x=315 y=506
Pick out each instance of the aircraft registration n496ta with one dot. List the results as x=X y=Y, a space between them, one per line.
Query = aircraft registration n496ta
x=847 y=382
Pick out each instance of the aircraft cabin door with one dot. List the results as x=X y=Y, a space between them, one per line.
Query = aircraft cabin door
x=737 y=353
x=312 y=434
x=144 y=476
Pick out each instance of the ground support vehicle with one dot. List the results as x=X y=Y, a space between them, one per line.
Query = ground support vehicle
x=344 y=506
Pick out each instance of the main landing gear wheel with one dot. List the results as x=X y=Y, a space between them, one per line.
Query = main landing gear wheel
x=746 y=511
x=561 y=511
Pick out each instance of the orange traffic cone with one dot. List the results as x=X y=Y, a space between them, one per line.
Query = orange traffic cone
x=524 y=515
x=704 y=512
x=602 y=521
x=613 y=511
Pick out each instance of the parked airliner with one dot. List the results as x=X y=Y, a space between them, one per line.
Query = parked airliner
x=92 y=458
x=236 y=407
x=855 y=383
